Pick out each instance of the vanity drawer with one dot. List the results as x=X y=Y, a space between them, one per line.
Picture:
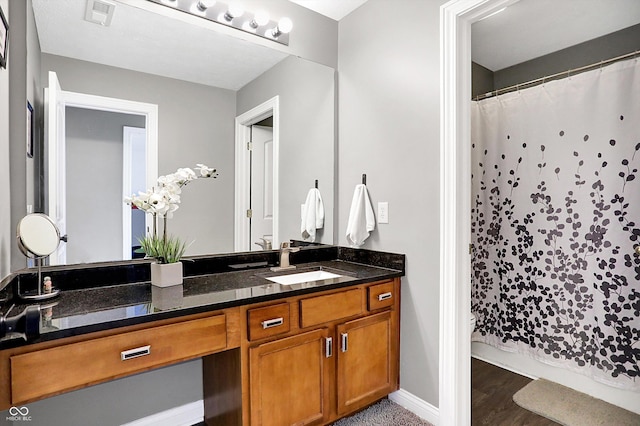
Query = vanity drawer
x=380 y=296
x=51 y=371
x=268 y=321
x=330 y=307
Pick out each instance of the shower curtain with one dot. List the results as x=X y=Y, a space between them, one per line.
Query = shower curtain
x=555 y=220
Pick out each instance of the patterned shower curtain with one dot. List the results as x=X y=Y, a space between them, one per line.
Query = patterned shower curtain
x=555 y=221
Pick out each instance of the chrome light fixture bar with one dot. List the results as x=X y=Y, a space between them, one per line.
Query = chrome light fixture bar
x=233 y=15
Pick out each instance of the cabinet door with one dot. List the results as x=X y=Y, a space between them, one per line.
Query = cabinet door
x=289 y=381
x=365 y=361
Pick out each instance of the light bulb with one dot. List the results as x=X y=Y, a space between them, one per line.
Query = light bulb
x=260 y=18
x=205 y=4
x=234 y=11
x=285 y=25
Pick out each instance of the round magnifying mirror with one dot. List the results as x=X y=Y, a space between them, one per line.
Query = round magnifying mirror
x=38 y=236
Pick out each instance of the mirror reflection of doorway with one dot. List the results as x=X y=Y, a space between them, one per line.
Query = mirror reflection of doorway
x=261 y=227
x=95 y=171
x=84 y=170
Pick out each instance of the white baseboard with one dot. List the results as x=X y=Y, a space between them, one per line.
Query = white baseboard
x=503 y=366
x=416 y=405
x=192 y=413
x=184 y=415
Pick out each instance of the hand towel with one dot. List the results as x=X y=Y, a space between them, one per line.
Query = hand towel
x=312 y=215
x=361 y=218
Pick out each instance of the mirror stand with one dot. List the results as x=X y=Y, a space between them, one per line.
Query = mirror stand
x=38 y=237
x=43 y=292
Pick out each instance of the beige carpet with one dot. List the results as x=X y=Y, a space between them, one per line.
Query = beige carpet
x=571 y=408
x=383 y=413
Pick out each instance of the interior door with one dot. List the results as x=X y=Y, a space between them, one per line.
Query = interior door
x=261 y=185
x=54 y=117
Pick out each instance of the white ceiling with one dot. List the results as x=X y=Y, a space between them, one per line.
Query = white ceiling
x=532 y=28
x=334 y=9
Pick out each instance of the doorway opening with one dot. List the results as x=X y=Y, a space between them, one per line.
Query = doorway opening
x=256 y=179
x=60 y=107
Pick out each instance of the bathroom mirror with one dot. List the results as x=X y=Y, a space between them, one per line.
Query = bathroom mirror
x=37 y=235
x=196 y=123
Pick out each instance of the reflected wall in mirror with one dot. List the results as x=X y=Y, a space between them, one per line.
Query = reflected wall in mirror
x=196 y=125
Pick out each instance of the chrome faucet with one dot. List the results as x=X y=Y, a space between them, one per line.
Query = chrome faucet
x=265 y=244
x=285 y=249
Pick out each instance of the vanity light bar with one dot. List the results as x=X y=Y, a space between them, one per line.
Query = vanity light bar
x=233 y=15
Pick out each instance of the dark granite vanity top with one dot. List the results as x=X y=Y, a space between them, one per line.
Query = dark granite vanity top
x=109 y=295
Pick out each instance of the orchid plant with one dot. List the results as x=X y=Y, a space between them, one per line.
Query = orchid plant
x=161 y=201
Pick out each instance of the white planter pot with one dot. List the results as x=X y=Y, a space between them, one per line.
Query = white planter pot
x=164 y=298
x=166 y=274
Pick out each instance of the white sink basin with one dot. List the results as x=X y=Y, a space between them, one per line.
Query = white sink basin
x=303 y=277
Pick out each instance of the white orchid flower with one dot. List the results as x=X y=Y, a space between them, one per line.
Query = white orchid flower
x=167 y=180
x=185 y=175
x=206 y=171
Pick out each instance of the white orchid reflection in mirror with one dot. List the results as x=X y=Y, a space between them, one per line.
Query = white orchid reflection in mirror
x=161 y=201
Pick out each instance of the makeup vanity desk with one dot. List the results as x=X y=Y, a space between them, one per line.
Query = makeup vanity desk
x=273 y=354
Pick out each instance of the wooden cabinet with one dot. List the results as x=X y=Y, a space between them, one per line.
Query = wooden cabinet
x=340 y=355
x=365 y=360
x=289 y=384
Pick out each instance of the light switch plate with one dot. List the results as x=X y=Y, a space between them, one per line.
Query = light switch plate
x=383 y=212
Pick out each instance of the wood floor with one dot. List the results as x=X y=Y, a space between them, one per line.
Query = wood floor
x=492 y=390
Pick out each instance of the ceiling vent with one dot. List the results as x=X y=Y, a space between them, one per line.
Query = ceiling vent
x=99 y=12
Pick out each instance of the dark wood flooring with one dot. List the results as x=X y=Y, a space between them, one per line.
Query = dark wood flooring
x=492 y=390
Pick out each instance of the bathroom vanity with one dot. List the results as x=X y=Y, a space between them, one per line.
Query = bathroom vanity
x=309 y=352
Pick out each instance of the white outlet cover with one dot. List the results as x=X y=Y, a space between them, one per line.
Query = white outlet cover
x=383 y=212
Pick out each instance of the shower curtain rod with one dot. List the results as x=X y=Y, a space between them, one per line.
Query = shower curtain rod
x=553 y=76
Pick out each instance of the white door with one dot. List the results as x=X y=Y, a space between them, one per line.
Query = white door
x=55 y=154
x=134 y=180
x=261 y=185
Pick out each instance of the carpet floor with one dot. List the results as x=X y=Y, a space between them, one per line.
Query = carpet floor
x=383 y=413
x=570 y=407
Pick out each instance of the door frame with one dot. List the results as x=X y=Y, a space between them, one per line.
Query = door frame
x=102 y=103
x=127 y=147
x=244 y=122
x=456 y=18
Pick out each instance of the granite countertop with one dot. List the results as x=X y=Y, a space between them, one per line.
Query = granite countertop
x=111 y=296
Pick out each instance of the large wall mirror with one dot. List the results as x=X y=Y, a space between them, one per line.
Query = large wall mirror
x=200 y=80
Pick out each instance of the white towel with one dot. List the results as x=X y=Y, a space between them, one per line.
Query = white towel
x=361 y=218
x=312 y=215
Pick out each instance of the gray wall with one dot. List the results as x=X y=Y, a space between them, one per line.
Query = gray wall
x=6 y=240
x=389 y=129
x=24 y=81
x=481 y=80
x=94 y=151
x=196 y=125
x=307 y=125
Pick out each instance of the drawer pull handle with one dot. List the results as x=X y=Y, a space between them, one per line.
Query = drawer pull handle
x=328 y=347
x=272 y=323
x=345 y=342
x=135 y=353
x=384 y=296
